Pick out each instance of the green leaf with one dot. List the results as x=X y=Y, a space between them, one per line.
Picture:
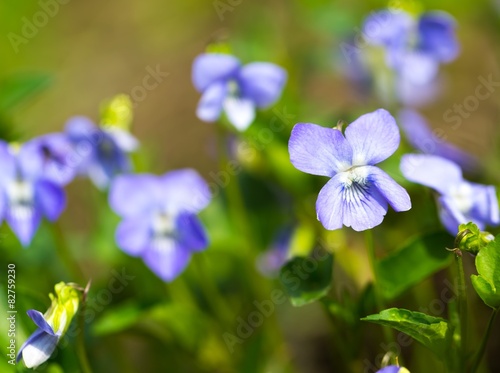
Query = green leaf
x=187 y=325
x=413 y=263
x=307 y=279
x=431 y=331
x=16 y=89
x=487 y=283
x=117 y=319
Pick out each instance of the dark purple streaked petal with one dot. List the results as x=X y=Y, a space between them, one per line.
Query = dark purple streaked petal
x=50 y=199
x=435 y=172
x=210 y=68
x=394 y=194
x=184 y=191
x=438 y=36
x=38 y=348
x=167 y=260
x=190 y=233
x=365 y=209
x=318 y=150
x=373 y=137
x=211 y=102
x=134 y=234
x=132 y=195
x=40 y=321
x=262 y=82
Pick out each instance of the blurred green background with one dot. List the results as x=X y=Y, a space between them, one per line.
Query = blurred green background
x=91 y=50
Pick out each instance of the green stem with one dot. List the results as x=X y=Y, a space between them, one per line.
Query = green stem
x=65 y=254
x=480 y=352
x=372 y=258
x=235 y=200
x=238 y=213
x=214 y=297
x=462 y=309
x=180 y=292
x=80 y=343
x=343 y=349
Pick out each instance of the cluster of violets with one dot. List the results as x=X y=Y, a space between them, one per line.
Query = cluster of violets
x=34 y=174
x=159 y=213
x=402 y=54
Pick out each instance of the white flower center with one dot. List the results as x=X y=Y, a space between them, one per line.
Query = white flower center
x=163 y=231
x=355 y=181
x=461 y=196
x=20 y=195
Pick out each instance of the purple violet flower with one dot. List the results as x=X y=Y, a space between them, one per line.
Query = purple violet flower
x=159 y=218
x=27 y=194
x=422 y=138
x=459 y=201
x=100 y=152
x=415 y=48
x=237 y=90
x=358 y=193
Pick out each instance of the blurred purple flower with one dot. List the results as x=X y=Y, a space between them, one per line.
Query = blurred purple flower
x=422 y=138
x=270 y=262
x=159 y=218
x=238 y=90
x=358 y=193
x=48 y=155
x=100 y=152
x=459 y=201
x=27 y=192
x=415 y=48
